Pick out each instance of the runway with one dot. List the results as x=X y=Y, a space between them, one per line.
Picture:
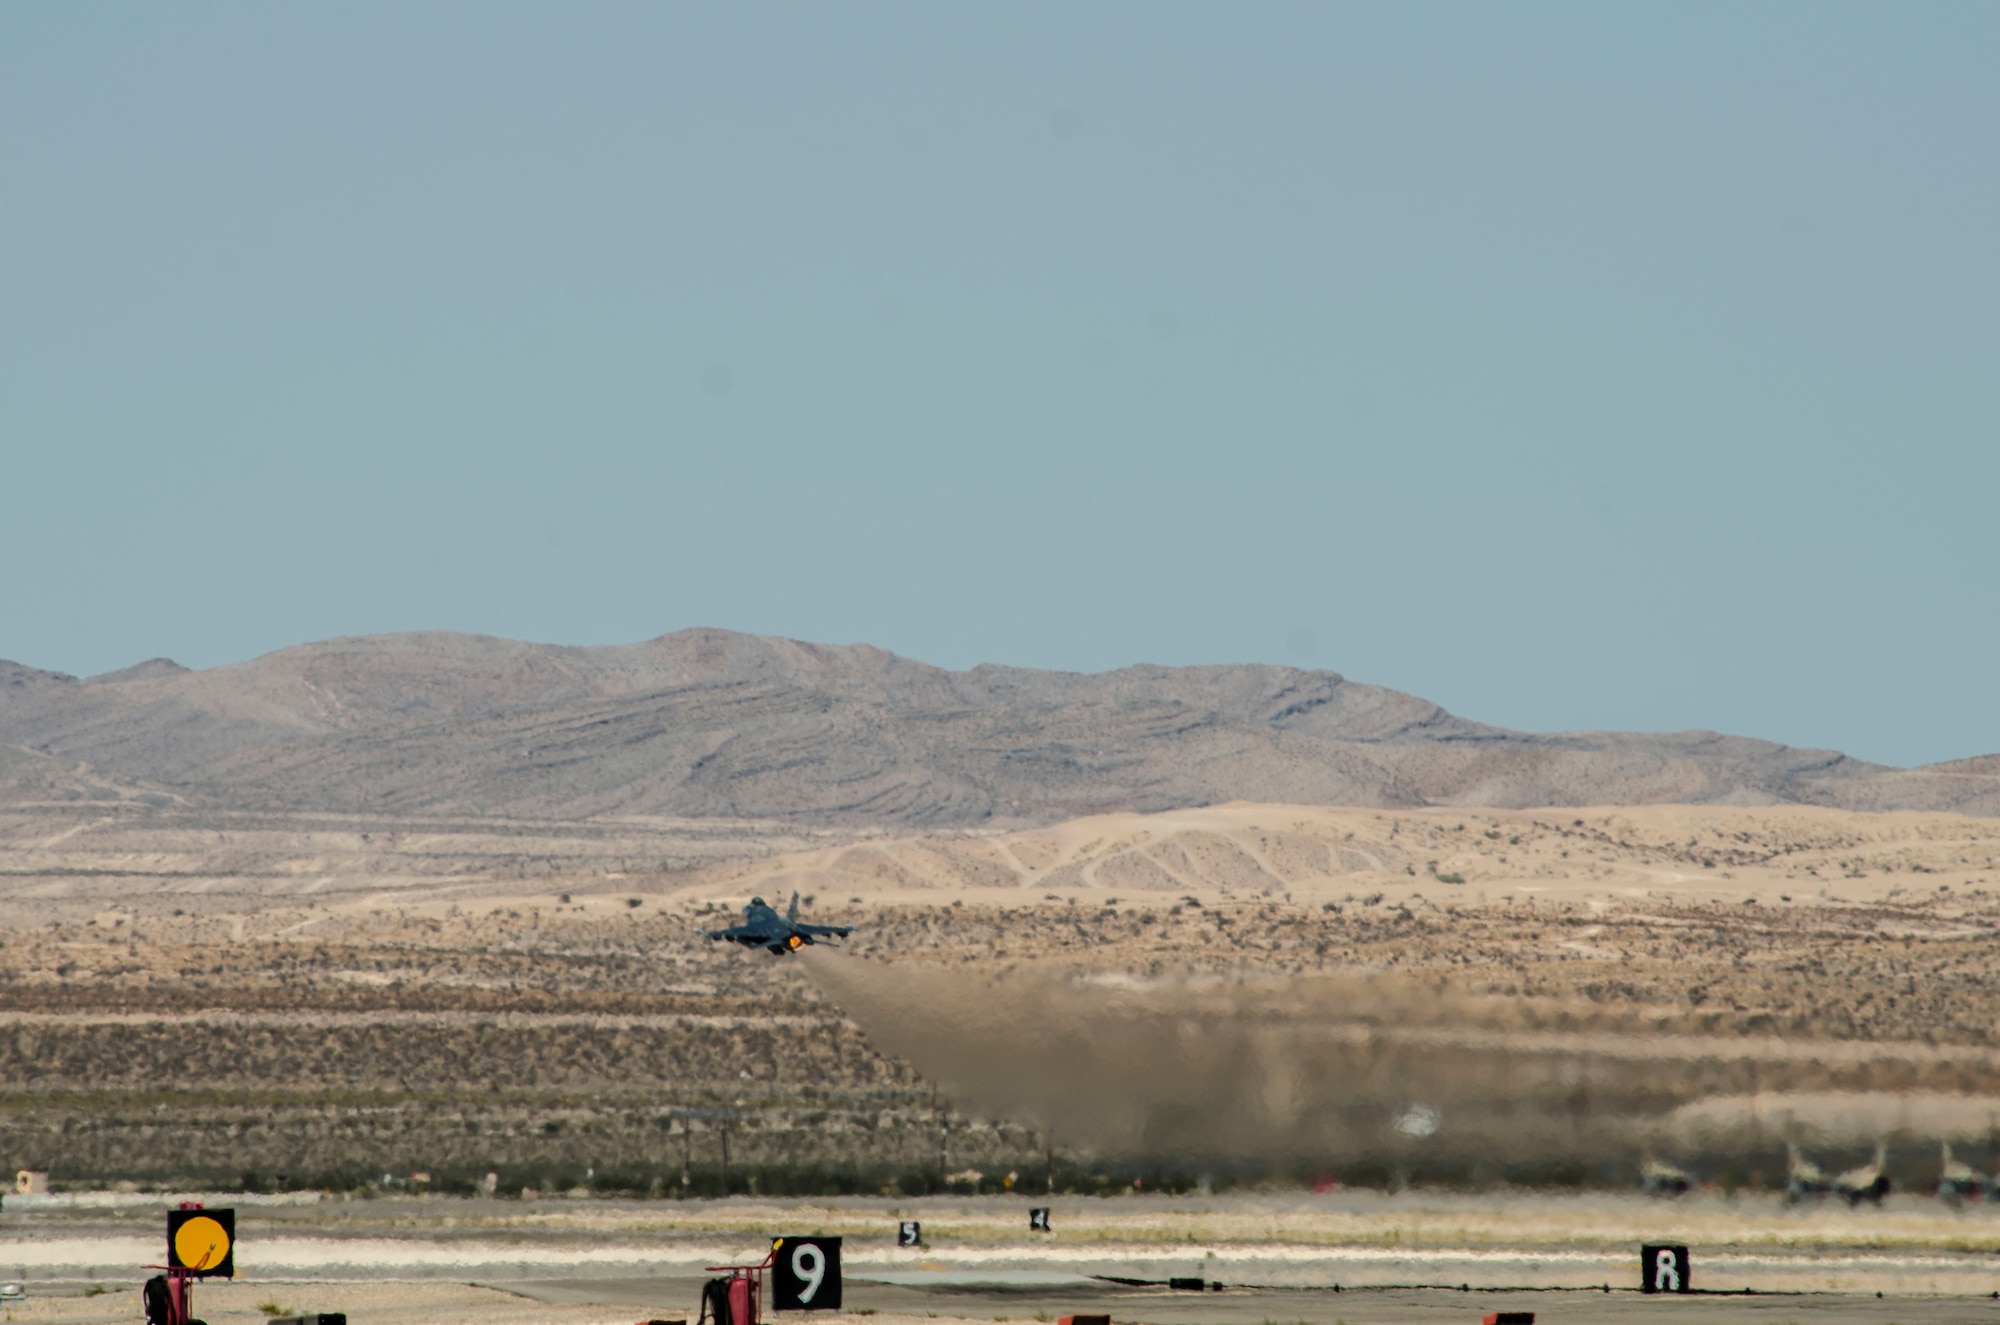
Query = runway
x=1340 y=1258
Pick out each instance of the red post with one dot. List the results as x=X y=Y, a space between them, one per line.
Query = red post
x=180 y=1293
x=746 y=1289
x=180 y=1285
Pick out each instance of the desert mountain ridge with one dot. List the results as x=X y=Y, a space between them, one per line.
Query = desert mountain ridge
x=706 y=723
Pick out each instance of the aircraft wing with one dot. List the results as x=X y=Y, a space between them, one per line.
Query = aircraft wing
x=786 y=938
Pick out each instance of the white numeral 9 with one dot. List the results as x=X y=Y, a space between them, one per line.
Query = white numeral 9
x=809 y=1264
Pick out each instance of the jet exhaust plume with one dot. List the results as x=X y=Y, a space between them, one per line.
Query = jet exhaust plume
x=1403 y=1072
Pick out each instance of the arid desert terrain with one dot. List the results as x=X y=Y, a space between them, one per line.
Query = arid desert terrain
x=190 y=996
x=441 y=1011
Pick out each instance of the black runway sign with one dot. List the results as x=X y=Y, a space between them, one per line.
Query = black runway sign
x=202 y=1242
x=806 y=1276
x=1664 y=1269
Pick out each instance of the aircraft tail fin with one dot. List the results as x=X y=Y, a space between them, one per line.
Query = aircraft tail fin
x=793 y=913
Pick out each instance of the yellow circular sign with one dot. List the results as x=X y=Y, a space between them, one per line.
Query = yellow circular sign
x=201 y=1243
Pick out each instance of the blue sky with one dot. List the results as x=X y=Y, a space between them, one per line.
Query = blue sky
x=1574 y=366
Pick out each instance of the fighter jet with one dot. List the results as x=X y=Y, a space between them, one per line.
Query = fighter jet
x=1803 y=1178
x=1959 y=1181
x=1658 y=1178
x=764 y=928
x=1868 y=1182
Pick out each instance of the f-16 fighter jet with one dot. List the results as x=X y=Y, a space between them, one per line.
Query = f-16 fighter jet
x=1657 y=1178
x=1959 y=1181
x=1869 y=1182
x=764 y=928
x=1803 y=1177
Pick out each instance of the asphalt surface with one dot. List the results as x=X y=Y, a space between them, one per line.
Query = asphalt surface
x=677 y=1298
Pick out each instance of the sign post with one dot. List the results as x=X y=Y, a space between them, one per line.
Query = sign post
x=1665 y=1269
x=806 y=1274
x=201 y=1244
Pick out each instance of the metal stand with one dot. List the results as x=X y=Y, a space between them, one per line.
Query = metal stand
x=180 y=1294
x=746 y=1289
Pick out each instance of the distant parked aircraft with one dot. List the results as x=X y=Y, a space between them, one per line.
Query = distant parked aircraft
x=1657 y=1178
x=1803 y=1177
x=1959 y=1181
x=1868 y=1182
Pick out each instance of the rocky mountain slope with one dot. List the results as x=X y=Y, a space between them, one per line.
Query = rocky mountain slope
x=707 y=723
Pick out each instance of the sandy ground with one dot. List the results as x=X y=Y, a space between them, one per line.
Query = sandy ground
x=1778 y=855
x=324 y=1004
x=392 y=1303
x=1746 y=915
x=353 y=865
